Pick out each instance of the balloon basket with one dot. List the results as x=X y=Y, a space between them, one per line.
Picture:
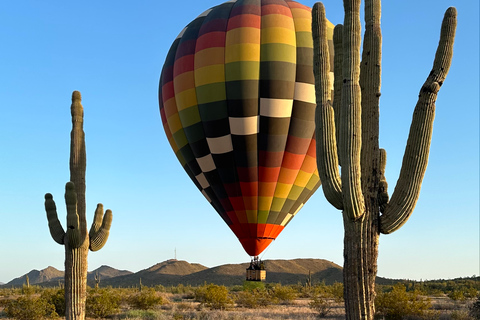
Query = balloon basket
x=256 y=271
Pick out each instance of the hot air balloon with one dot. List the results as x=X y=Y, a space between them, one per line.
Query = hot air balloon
x=237 y=102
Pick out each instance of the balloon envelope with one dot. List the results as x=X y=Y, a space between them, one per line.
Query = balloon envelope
x=237 y=102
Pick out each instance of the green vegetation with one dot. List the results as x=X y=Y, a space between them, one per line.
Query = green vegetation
x=146 y=299
x=474 y=310
x=103 y=302
x=213 y=296
x=398 y=304
x=403 y=300
x=28 y=307
x=460 y=289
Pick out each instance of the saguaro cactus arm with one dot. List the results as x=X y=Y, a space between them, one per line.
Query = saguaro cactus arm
x=382 y=185
x=327 y=159
x=74 y=231
x=56 y=229
x=337 y=83
x=100 y=228
x=370 y=83
x=351 y=110
x=406 y=193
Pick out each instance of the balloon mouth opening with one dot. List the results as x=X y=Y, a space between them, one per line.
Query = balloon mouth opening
x=255 y=247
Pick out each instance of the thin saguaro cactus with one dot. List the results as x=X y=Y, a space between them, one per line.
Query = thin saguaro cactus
x=347 y=132
x=76 y=239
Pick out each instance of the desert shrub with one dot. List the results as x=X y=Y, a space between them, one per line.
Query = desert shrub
x=255 y=298
x=213 y=296
x=471 y=293
x=456 y=295
x=145 y=299
x=29 y=308
x=284 y=294
x=321 y=304
x=160 y=288
x=460 y=315
x=102 y=303
x=28 y=289
x=139 y=315
x=336 y=291
x=55 y=297
x=251 y=285
x=236 y=288
x=474 y=309
x=400 y=304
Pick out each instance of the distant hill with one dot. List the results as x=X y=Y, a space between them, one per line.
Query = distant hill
x=50 y=276
x=173 y=272
x=105 y=273
x=278 y=271
x=167 y=273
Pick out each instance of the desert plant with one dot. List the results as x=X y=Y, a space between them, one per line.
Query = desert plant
x=145 y=299
x=460 y=315
x=140 y=314
x=398 y=304
x=347 y=135
x=77 y=240
x=284 y=294
x=97 y=280
x=336 y=291
x=101 y=303
x=251 y=285
x=30 y=308
x=55 y=297
x=474 y=309
x=456 y=295
x=213 y=296
x=255 y=298
x=321 y=304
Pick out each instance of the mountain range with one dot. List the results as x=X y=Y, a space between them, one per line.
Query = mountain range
x=173 y=272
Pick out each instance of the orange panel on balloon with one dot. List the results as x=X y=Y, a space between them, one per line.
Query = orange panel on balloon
x=255 y=246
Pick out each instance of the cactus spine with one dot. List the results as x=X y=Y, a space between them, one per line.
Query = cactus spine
x=347 y=132
x=76 y=239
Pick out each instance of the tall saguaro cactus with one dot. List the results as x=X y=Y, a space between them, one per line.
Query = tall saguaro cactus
x=347 y=133
x=76 y=239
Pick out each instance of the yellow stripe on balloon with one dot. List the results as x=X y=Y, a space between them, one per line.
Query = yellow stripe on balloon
x=242 y=35
x=242 y=52
x=186 y=99
x=209 y=56
x=210 y=74
x=278 y=35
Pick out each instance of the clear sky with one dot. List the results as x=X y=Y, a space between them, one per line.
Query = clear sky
x=113 y=52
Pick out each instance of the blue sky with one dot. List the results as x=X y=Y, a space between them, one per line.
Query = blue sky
x=113 y=52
